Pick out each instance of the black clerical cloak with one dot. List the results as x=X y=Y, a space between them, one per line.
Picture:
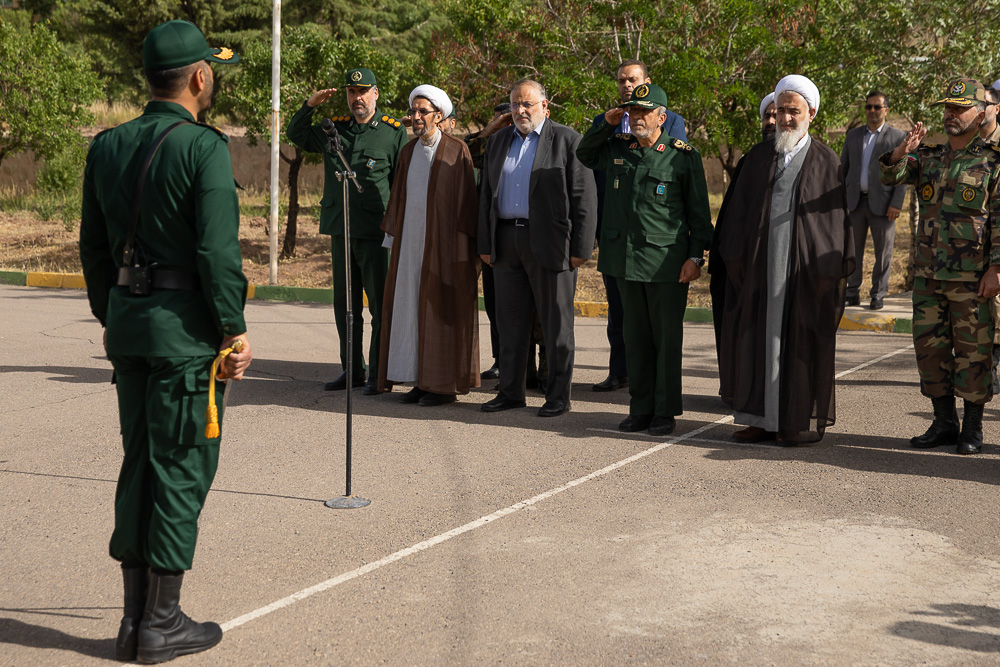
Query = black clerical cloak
x=822 y=257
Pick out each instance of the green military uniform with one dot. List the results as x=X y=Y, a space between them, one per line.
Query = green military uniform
x=162 y=344
x=372 y=150
x=959 y=197
x=656 y=217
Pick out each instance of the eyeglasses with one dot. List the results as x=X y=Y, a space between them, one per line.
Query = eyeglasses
x=874 y=107
x=523 y=105
x=421 y=112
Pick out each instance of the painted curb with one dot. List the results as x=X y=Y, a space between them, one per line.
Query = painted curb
x=849 y=322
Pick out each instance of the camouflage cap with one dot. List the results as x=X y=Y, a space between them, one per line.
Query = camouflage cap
x=178 y=43
x=362 y=77
x=964 y=93
x=647 y=96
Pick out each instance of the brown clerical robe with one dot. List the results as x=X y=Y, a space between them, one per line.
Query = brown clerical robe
x=822 y=257
x=448 y=309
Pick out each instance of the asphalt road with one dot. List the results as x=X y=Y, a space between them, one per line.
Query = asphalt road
x=502 y=538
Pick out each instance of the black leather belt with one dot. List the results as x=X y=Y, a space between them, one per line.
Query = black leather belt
x=513 y=222
x=158 y=278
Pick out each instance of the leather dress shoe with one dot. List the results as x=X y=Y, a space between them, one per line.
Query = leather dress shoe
x=877 y=303
x=662 y=425
x=371 y=388
x=788 y=438
x=852 y=301
x=491 y=373
x=412 y=396
x=635 y=423
x=430 y=398
x=611 y=383
x=341 y=382
x=554 y=408
x=753 y=434
x=501 y=403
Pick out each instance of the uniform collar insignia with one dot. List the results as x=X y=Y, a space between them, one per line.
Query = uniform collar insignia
x=660 y=147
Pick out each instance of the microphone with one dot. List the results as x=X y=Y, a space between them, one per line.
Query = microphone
x=331 y=131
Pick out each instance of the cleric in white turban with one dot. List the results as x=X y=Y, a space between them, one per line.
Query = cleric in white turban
x=788 y=249
x=430 y=311
x=765 y=103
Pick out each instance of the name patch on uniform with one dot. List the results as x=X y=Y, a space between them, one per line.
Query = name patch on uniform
x=661 y=188
x=660 y=148
x=619 y=160
x=371 y=164
x=927 y=192
x=968 y=194
x=616 y=184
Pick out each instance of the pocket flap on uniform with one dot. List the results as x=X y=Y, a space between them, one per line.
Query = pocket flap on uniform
x=661 y=239
x=609 y=233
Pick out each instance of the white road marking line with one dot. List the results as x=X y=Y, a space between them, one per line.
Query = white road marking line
x=872 y=362
x=499 y=514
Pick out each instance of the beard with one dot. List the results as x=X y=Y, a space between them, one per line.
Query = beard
x=768 y=132
x=957 y=128
x=641 y=131
x=360 y=110
x=785 y=140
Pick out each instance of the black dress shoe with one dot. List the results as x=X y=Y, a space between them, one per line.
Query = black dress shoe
x=611 y=383
x=635 y=423
x=501 y=403
x=492 y=373
x=341 y=382
x=412 y=396
x=852 y=301
x=554 y=408
x=662 y=425
x=371 y=388
x=877 y=303
x=430 y=398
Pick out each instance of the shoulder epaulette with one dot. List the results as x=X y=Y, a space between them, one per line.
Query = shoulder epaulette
x=392 y=122
x=624 y=136
x=213 y=128
x=341 y=119
x=682 y=146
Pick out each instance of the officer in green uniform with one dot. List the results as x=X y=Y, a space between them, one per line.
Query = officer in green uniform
x=956 y=263
x=655 y=230
x=168 y=308
x=372 y=141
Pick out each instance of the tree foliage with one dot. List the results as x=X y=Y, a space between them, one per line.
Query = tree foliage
x=45 y=89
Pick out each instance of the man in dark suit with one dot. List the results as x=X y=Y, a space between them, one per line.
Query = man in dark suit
x=631 y=73
x=537 y=222
x=872 y=205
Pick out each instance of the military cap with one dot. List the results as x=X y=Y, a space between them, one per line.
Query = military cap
x=178 y=43
x=647 y=96
x=361 y=77
x=964 y=93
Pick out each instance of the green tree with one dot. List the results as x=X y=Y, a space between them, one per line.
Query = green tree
x=310 y=60
x=45 y=89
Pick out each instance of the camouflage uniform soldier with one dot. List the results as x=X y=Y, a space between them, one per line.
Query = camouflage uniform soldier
x=956 y=263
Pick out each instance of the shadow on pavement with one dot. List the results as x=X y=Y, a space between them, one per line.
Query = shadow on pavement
x=70 y=374
x=952 y=632
x=38 y=636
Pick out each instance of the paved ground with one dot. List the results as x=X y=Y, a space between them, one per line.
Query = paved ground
x=490 y=539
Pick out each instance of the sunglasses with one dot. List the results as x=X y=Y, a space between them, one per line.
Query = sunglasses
x=874 y=107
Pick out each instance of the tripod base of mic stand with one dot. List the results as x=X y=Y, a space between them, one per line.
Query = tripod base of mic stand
x=348 y=503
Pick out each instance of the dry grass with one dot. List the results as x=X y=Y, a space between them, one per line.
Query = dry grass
x=30 y=243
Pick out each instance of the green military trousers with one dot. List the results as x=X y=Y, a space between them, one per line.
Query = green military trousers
x=369 y=266
x=953 y=339
x=653 y=329
x=169 y=465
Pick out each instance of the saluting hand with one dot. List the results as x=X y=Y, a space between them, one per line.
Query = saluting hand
x=909 y=142
x=614 y=116
x=235 y=362
x=319 y=97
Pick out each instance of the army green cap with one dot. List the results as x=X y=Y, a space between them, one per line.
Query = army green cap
x=647 y=96
x=964 y=93
x=361 y=77
x=178 y=43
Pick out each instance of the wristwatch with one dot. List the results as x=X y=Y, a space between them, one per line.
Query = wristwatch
x=698 y=261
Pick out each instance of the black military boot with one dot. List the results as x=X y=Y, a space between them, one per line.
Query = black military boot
x=136 y=583
x=944 y=428
x=970 y=441
x=166 y=632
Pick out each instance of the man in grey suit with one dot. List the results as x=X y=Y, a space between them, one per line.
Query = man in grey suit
x=872 y=205
x=537 y=222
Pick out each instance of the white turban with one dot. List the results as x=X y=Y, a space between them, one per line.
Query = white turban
x=796 y=83
x=765 y=103
x=437 y=97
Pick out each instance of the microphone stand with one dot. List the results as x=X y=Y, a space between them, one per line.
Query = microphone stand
x=334 y=146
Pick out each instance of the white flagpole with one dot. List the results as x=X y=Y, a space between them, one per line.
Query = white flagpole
x=275 y=136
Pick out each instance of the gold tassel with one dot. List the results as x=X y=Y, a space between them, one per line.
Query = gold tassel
x=212 y=413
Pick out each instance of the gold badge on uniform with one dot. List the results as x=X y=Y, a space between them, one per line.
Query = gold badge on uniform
x=958 y=88
x=371 y=164
x=968 y=194
x=927 y=192
x=224 y=54
x=356 y=76
x=641 y=91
